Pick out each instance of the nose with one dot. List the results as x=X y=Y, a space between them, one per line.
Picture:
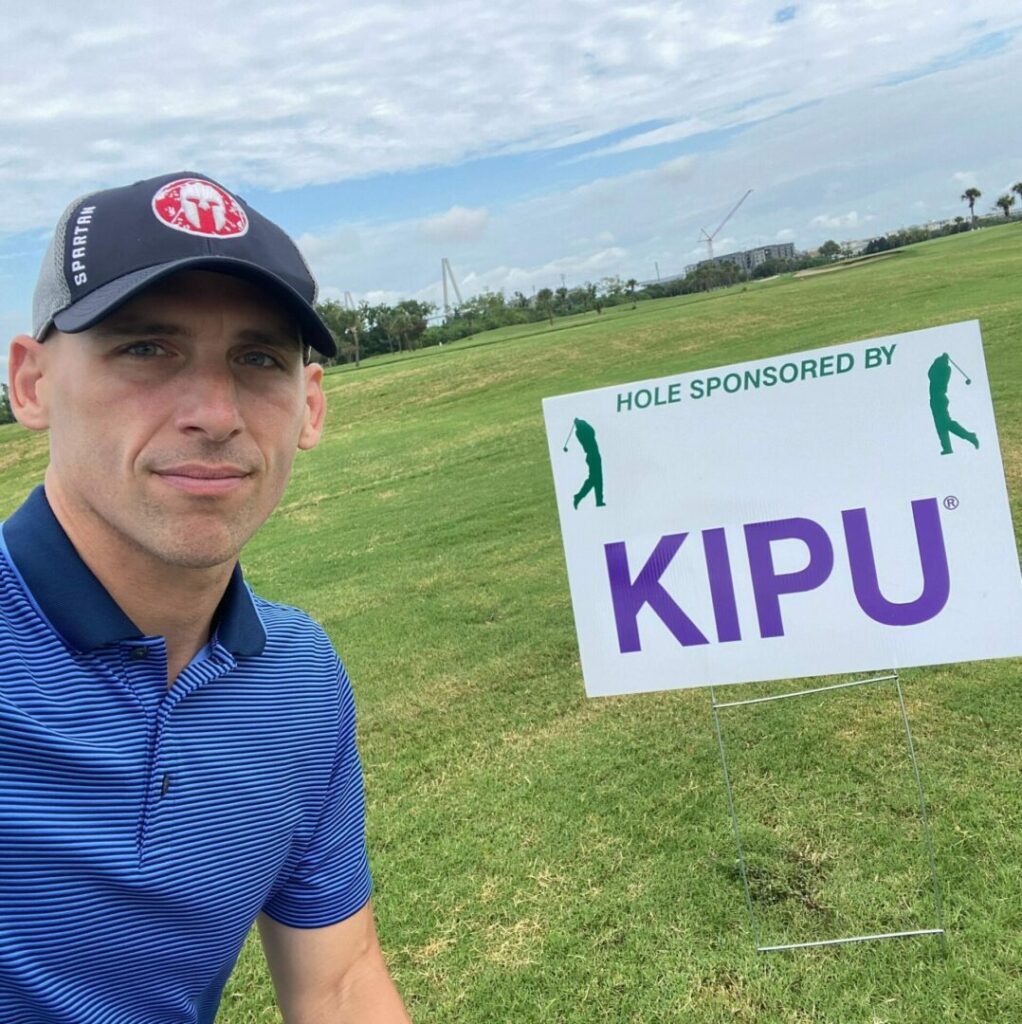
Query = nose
x=209 y=405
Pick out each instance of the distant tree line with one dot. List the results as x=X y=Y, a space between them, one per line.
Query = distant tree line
x=6 y=414
x=1005 y=202
x=368 y=330
x=909 y=236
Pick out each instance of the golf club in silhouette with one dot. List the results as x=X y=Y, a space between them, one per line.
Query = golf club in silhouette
x=959 y=369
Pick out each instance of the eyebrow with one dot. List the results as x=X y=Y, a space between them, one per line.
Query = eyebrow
x=124 y=328
x=249 y=335
x=278 y=339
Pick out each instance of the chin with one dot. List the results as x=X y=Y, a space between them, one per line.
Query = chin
x=197 y=558
x=201 y=560
x=198 y=551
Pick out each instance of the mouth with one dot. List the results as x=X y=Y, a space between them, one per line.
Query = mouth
x=203 y=479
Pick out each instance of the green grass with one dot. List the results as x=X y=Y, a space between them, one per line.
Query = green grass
x=541 y=857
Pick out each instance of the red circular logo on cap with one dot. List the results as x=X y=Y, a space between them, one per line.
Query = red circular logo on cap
x=199 y=207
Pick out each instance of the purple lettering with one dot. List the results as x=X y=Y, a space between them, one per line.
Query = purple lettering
x=767 y=584
x=932 y=558
x=630 y=595
x=722 y=585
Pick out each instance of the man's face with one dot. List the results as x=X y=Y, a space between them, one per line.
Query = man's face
x=174 y=422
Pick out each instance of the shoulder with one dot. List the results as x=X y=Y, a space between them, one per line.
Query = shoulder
x=284 y=620
x=295 y=639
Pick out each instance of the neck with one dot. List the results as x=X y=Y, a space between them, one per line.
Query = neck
x=162 y=599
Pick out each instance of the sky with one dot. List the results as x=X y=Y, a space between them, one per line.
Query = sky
x=532 y=144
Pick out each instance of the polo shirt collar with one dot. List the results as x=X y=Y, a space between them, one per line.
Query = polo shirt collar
x=79 y=607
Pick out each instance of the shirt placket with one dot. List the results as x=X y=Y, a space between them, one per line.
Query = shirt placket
x=146 y=667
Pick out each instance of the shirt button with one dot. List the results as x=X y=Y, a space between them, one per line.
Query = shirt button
x=140 y=653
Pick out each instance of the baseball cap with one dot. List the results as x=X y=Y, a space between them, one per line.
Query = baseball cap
x=110 y=245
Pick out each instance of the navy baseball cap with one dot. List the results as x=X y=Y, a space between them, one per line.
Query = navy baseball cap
x=110 y=245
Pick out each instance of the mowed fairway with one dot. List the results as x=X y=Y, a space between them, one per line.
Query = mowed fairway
x=541 y=857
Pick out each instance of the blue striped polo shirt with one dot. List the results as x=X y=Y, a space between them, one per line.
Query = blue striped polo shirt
x=142 y=828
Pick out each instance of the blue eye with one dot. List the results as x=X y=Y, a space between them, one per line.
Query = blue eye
x=261 y=360
x=143 y=349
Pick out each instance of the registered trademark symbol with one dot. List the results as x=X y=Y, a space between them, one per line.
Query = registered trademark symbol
x=951 y=502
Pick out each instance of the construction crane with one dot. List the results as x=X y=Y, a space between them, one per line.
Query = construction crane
x=734 y=209
x=354 y=331
x=448 y=275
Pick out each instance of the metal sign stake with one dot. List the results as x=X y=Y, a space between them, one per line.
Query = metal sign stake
x=716 y=706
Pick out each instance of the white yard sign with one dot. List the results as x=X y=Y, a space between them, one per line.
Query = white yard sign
x=831 y=511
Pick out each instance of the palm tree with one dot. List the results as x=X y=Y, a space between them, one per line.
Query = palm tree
x=970 y=195
x=1006 y=202
x=1017 y=187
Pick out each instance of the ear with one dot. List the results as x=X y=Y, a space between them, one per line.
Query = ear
x=27 y=383
x=315 y=407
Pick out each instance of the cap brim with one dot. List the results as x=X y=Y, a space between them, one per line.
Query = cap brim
x=91 y=308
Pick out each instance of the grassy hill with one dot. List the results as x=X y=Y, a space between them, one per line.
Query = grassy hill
x=544 y=858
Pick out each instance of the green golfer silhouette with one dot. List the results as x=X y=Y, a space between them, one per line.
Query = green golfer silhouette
x=594 y=482
x=940 y=376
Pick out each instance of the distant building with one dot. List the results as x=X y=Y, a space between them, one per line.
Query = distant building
x=752 y=258
x=749 y=259
x=854 y=246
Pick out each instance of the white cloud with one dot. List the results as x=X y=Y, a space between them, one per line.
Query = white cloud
x=280 y=97
x=458 y=224
x=284 y=95
x=967 y=179
x=727 y=243
x=347 y=238
x=852 y=219
x=628 y=223
x=678 y=170
x=575 y=270
x=378 y=297
x=657 y=137
x=618 y=225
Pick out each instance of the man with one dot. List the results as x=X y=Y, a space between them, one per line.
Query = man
x=177 y=755
x=939 y=375
x=594 y=481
